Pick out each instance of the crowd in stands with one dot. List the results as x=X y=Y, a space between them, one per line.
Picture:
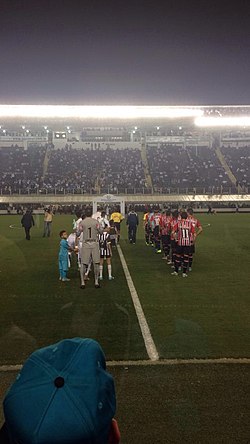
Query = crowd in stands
x=21 y=169
x=238 y=159
x=189 y=167
x=72 y=170
x=171 y=167
x=120 y=170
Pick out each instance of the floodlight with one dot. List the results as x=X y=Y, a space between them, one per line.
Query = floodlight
x=99 y=112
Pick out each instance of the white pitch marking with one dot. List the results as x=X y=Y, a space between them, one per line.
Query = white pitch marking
x=148 y=340
x=14 y=226
x=142 y=363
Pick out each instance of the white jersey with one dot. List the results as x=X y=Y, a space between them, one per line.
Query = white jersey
x=76 y=224
x=96 y=215
x=72 y=240
x=103 y=221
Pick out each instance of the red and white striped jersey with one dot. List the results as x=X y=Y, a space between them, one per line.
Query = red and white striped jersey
x=196 y=224
x=185 y=232
x=173 y=228
x=165 y=224
x=156 y=220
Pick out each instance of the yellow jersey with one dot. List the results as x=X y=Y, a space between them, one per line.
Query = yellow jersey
x=116 y=217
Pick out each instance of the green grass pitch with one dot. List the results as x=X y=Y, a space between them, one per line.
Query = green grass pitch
x=203 y=316
x=206 y=315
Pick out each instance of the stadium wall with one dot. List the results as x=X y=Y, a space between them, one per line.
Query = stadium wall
x=97 y=145
x=74 y=199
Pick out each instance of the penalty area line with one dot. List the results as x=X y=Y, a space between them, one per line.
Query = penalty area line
x=161 y=362
x=146 y=334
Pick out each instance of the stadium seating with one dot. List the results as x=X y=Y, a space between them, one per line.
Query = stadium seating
x=190 y=168
x=173 y=168
x=121 y=170
x=238 y=159
x=71 y=170
x=20 y=169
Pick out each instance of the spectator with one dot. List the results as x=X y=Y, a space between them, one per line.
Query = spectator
x=62 y=395
x=48 y=215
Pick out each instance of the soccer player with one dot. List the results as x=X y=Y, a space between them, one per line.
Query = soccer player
x=165 y=230
x=184 y=232
x=112 y=233
x=117 y=217
x=77 y=222
x=173 y=241
x=79 y=245
x=198 y=229
x=105 y=252
x=71 y=239
x=156 y=230
x=103 y=220
x=90 y=229
x=76 y=228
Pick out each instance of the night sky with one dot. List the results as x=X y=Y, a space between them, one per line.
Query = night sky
x=117 y=52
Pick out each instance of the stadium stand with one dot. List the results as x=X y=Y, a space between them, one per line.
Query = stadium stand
x=20 y=169
x=180 y=167
x=122 y=170
x=173 y=166
x=72 y=170
x=238 y=159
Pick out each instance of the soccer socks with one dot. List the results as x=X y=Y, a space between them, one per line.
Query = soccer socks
x=177 y=263
x=173 y=258
x=82 y=273
x=96 y=272
x=190 y=260
x=89 y=267
x=110 y=270
x=185 y=263
x=101 y=271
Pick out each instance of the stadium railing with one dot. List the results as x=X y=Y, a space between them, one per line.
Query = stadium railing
x=147 y=191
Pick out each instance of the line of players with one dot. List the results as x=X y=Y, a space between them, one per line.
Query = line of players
x=175 y=234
